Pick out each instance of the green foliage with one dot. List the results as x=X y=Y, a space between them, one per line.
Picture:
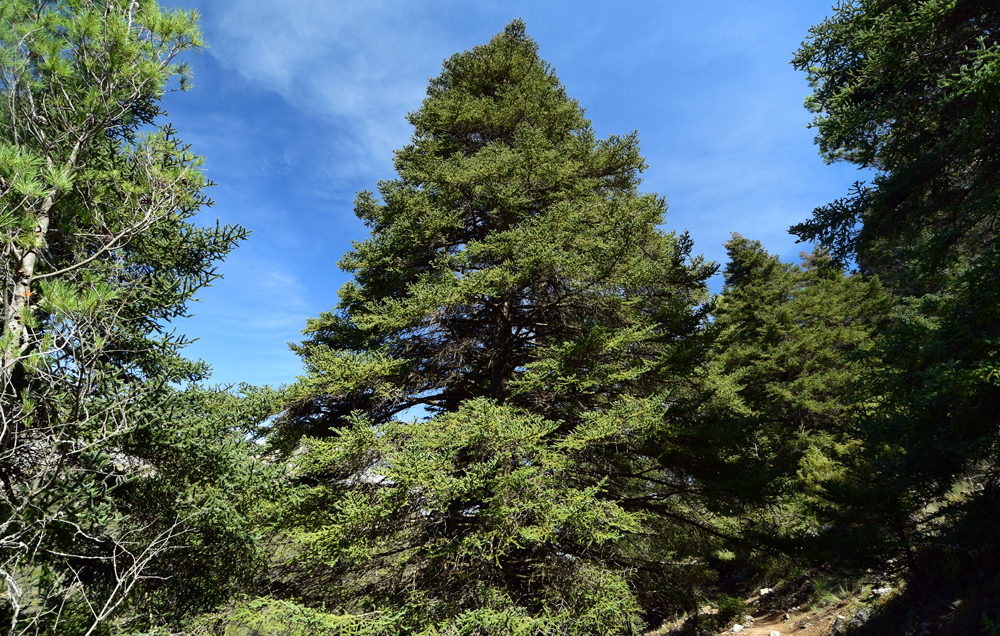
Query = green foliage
x=517 y=298
x=928 y=424
x=160 y=523
x=286 y=618
x=728 y=610
x=203 y=469
x=910 y=89
x=478 y=509
x=786 y=347
x=513 y=236
x=989 y=627
x=119 y=489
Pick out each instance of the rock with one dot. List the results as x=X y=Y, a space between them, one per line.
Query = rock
x=773 y=633
x=838 y=626
x=860 y=618
x=881 y=591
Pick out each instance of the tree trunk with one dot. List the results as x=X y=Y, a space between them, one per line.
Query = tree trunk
x=20 y=300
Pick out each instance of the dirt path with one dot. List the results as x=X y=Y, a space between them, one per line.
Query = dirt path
x=795 y=623
x=767 y=622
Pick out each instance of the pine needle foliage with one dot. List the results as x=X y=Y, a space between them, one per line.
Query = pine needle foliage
x=908 y=89
x=788 y=345
x=484 y=422
x=114 y=481
x=911 y=89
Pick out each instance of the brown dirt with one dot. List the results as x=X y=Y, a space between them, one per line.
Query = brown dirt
x=815 y=622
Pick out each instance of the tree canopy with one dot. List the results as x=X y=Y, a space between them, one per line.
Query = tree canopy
x=787 y=345
x=107 y=464
x=910 y=89
x=526 y=414
x=488 y=412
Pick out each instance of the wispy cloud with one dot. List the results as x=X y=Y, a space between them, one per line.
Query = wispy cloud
x=361 y=66
x=300 y=104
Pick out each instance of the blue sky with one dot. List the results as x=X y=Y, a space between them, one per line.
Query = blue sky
x=299 y=105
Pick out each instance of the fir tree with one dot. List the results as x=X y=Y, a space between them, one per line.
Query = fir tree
x=910 y=89
x=487 y=415
x=788 y=345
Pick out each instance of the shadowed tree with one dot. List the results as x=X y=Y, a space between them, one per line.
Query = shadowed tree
x=911 y=90
x=788 y=344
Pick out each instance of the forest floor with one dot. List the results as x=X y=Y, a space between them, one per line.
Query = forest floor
x=767 y=622
x=953 y=599
x=813 y=623
x=816 y=622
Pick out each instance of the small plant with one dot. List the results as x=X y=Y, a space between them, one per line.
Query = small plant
x=728 y=610
x=828 y=592
x=951 y=565
x=990 y=628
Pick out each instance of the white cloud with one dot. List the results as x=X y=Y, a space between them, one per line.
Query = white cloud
x=362 y=66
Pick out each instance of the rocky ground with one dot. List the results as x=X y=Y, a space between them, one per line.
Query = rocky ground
x=818 y=622
x=967 y=607
x=769 y=618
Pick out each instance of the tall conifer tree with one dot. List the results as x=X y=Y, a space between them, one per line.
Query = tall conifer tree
x=488 y=412
x=787 y=346
x=910 y=90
